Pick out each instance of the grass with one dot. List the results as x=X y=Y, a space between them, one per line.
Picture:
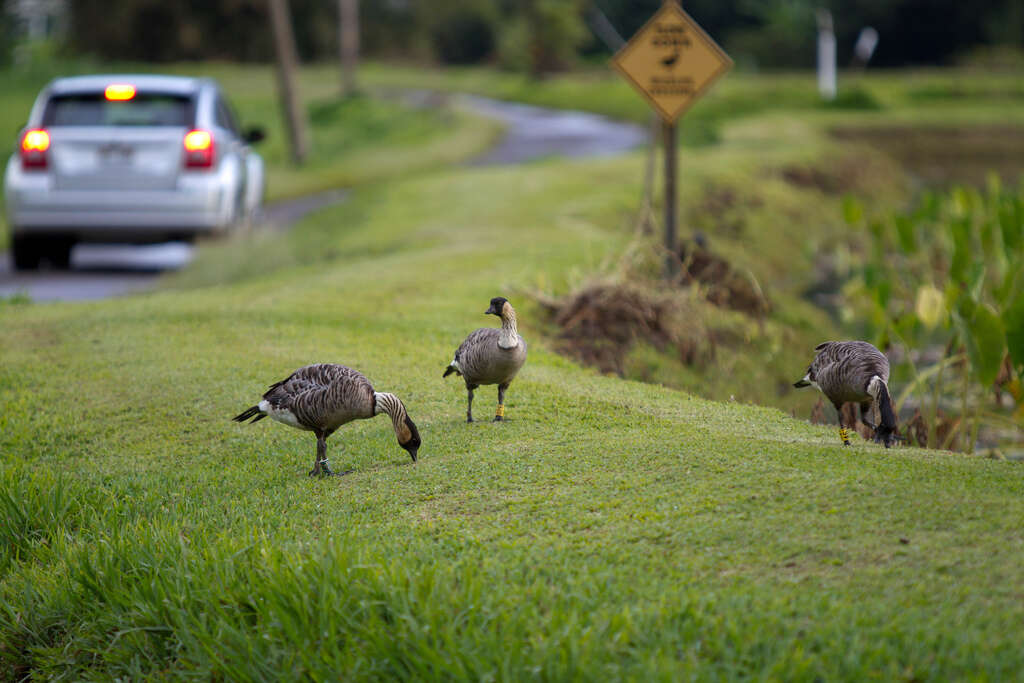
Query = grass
x=609 y=530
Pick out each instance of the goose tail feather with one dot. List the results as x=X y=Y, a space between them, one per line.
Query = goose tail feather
x=253 y=412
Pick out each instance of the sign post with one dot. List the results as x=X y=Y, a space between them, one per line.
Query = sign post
x=672 y=62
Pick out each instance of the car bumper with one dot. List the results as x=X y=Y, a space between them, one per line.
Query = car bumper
x=197 y=205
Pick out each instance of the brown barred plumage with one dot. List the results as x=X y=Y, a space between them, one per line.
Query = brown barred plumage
x=490 y=356
x=321 y=398
x=854 y=372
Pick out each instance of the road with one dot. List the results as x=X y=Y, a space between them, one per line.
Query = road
x=100 y=271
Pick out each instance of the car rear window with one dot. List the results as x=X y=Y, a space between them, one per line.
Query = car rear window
x=145 y=109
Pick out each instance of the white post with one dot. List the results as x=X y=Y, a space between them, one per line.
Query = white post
x=826 y=56
x=867 y=41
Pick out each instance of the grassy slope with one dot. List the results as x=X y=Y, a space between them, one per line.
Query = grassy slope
x=610 y=529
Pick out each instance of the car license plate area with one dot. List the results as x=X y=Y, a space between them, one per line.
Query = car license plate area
x=115 y=155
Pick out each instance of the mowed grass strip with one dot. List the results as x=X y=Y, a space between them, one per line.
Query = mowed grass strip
x=608 y=530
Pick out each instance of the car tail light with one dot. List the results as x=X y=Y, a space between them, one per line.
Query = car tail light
x=119 y=92
x=34 y=144
x=198 y=149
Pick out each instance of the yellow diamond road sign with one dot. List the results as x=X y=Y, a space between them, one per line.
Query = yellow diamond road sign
x=671 y=61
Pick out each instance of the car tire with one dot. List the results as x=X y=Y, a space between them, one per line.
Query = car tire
x=29 y=252
x=25 y=252
x=57 y=251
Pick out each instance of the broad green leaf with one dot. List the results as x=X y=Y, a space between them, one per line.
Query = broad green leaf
x=965 y=307
x=1011 y=222
x=930 y=306
x=905 y=230
x=928 y=209
x=961 y=202
x=960 y=232
x=853 y=210
x=994 y=184
x=1013 y=319
x=976 y=280
x=883 y=292
x=986 y=344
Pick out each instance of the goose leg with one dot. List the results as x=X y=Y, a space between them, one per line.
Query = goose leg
x=469 y=405
x=320 y=466
x=865 y=415
x=500 y=415
x=842 y=430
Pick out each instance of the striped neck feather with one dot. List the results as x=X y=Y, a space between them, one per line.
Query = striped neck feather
x=509 y=338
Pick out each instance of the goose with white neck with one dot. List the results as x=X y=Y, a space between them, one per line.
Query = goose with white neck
x=321 y=398
x=490 y=356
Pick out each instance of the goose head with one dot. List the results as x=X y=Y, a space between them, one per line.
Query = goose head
x=498 y=305
x=409 y=437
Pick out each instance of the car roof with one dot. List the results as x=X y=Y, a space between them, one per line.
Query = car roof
x=184 y=85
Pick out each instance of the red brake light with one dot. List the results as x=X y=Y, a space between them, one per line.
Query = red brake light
x=198 y=149
x=119 y=92
x=34 y=144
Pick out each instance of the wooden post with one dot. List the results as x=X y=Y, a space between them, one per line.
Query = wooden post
x=348 y=44
x=671 y=155
x=284 y=47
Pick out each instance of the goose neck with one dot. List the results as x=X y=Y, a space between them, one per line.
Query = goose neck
x=391 y=405
x=509 y=337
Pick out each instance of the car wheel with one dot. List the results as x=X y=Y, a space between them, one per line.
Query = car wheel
x=25 y=252
x=58 y=252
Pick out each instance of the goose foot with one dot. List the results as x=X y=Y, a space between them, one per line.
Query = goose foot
x=498 y=418
x=323 y=469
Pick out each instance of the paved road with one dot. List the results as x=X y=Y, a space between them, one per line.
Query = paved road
x=102 y=270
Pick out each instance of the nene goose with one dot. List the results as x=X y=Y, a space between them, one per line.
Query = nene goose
x=320 y=398
x=854 y=372
x=490 y=356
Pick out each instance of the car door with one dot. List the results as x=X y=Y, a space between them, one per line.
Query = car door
x=236 y=146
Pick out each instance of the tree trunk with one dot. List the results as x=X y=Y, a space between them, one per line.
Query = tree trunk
x=284 y=48
x=348 y=42
x=534 y=29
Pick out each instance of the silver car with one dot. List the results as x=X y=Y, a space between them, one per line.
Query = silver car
x=128 y=158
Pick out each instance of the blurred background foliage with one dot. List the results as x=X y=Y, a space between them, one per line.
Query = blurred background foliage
x=945 y=279
x=538 y=36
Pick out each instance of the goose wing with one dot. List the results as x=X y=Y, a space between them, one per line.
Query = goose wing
x=323 y=396
x=473 y=353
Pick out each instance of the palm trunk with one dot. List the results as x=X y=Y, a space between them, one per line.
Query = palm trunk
x=287 y=59
x=348 y=43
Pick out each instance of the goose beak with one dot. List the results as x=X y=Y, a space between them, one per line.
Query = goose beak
x=801 y=384
x=490 y=311
x=412 y=454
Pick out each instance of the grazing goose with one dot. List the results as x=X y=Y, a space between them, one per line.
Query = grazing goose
x=320 y=398
x=854 y=372
x=490 y=356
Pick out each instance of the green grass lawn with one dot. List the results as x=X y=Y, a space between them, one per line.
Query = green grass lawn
x=609 y=530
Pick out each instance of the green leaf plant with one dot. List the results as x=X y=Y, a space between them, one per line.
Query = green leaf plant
x=944 y=283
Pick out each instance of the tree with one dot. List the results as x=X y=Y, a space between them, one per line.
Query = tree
x=348 y=44
x=284 y=48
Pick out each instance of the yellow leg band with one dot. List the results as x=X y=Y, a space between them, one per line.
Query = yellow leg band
x=501 y=411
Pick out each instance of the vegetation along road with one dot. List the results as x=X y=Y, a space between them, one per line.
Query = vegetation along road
x=530 y=132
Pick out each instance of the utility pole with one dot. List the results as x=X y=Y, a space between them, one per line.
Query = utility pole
x=348 y=44
x=287 y=60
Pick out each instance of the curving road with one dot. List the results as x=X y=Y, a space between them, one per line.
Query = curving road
x=100 y=271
